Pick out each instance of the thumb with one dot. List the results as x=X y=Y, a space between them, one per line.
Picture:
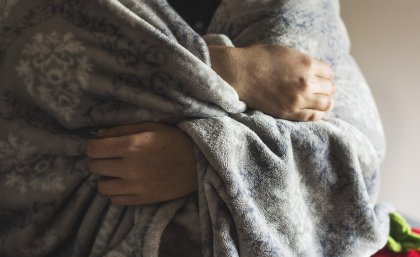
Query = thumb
x=125 y=130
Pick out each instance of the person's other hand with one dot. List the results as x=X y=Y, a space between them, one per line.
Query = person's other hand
x=143 y=163
x=277 y=80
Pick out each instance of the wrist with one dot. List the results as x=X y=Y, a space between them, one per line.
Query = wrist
x=226 y=62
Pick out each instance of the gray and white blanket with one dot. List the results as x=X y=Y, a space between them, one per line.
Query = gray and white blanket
x=267 y=187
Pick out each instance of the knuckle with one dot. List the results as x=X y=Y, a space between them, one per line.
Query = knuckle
x=137 y=142
x=306 y=61
x=299 y=116
x=149 y=138
x=310 y=117
x=307 y=117
x=324 y=104
x=303 y=83
x=134 y=143
x=316 y=116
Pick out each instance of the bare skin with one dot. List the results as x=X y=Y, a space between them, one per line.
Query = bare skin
x=143 y=163
x=277 y=80
x=152 y=162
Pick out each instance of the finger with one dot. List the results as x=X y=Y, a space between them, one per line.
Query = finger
x=108 y=167
x=114 y=187
x=320 y=103
x=126 y=130
x=322 y=86
x=322 y=69
x=113 y=147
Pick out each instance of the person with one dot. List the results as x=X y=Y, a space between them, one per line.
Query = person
x=149 y=163
x=152 y=162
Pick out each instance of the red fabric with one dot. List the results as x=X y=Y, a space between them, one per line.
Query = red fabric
x=387 y=253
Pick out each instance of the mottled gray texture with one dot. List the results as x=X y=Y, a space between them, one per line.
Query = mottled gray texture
x=267 y=187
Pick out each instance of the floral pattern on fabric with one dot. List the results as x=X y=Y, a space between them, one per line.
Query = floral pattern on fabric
x=55 y=70
x=22 y=159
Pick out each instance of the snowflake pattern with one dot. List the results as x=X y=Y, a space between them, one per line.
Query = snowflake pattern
x=30 y=170
x=55 y=71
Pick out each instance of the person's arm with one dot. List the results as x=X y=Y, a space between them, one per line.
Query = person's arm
x=277 y=80
x=153 y=162
x=143 y=163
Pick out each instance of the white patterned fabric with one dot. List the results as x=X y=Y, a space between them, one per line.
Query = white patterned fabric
x=267 y=187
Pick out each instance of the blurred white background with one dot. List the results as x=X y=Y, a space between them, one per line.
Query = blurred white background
x=385 y=36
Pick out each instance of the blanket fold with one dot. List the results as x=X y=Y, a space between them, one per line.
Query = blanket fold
x=267 y=187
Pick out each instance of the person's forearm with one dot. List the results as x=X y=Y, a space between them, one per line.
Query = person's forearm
x=224 y=61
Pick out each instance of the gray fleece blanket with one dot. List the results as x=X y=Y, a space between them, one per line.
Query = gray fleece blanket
x=267 y=187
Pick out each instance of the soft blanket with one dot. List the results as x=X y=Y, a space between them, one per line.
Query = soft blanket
x=267 y=187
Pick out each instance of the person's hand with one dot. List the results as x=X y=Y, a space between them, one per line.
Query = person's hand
x=277 y=80
x=143 y=163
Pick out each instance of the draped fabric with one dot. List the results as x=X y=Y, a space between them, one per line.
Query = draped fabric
x=267 y=187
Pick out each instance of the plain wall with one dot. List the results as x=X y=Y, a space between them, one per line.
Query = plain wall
x=385 y=36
